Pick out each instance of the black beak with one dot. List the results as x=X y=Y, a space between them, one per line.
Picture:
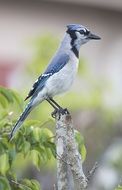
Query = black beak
x=93 y=36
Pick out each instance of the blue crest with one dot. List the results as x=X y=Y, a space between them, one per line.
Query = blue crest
x=72 y=27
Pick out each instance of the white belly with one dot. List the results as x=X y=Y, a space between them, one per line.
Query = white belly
x=62 y=81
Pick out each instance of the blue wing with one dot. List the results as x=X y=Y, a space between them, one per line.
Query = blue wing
x=57 y=63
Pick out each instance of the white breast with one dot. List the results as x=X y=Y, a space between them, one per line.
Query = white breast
x=62 y=81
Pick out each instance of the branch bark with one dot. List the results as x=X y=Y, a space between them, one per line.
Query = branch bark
x=62 y=156
x=68 y=156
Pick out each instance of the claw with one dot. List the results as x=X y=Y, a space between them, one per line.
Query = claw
x=64 y=111
x=53 y=114
x=60 y=112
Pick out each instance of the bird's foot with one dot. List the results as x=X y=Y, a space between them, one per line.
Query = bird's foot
x=64 y=111
x=59 y=112
x=54 y=113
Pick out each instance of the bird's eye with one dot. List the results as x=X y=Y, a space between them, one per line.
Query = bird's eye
x=84 y=32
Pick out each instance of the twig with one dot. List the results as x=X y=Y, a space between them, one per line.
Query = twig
x=46 y=122
x=59 y=158
x=19 y=184
x=92 y=171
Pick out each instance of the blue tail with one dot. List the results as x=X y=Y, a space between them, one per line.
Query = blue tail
x=20 y=121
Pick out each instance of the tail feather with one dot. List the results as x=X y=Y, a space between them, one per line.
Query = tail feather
x=20 y=121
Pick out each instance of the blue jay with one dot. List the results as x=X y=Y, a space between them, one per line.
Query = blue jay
x=60 y=73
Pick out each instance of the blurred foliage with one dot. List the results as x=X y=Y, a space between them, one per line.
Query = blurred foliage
x=33 y=145
x=119 y=188
x=81 y=147
x=43 y=49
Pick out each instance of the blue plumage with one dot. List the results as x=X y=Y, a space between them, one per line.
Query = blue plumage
x=57 y=63
x=74 y=26
x=21 y=119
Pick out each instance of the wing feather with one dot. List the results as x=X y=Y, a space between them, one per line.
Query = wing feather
x=57 y=63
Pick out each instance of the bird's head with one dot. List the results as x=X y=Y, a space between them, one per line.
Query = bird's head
x=80 y=35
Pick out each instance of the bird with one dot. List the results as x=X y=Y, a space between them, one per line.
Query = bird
x=59 y=74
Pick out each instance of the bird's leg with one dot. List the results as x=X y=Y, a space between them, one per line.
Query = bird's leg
x=56 y=103
x=60 y=109
x=57 y=108
x=54 y=106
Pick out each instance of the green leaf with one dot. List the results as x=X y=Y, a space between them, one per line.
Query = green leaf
x=4 y=163
x=43 y=154
x=83 y=152
x=27 y=182
x=41 y=135
x=19 y=143
x=35 y=157
x=31 y=184
x=4 y=184
x=52 y=147
x=3 y=101
x=37 y=133
x=81 y=147
x=4 y=143
x=45 y=134
x=3 y=115
x=7 y=94
x=18 y=99
x=12 y=152
x=19 y=163
x=26 y=147
x=3 y=123
x=79 y=138
x=48 y=153
x=36 y=185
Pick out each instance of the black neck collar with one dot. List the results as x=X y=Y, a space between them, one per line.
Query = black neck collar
x=73 y=38
x=75 y=51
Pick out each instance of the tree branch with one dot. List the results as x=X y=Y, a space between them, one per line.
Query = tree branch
x=67 y=150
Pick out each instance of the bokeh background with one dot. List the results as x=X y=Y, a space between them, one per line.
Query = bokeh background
x=30 y=32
